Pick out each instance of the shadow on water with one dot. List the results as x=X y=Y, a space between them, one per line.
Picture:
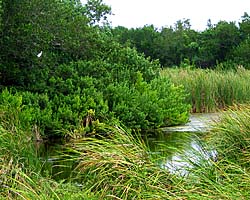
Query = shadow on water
x=55 y=162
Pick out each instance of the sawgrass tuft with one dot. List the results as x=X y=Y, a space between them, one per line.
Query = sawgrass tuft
x=210 y=90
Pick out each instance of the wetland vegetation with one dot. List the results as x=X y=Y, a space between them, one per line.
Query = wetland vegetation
x=103 y=90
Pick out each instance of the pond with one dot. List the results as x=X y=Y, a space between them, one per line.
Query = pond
x=182 y=146
x=179 y=146
x=179 y=151
x=198 y=122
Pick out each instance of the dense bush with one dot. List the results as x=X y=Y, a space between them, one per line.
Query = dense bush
x=148 y=105
x=52 y=115
x=67 y=102
x=67 y=71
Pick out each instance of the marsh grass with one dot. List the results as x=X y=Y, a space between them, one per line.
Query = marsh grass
x=229 y=176
x=20 y=167
x=211 y=90
x=119 y=167
x=232 y=135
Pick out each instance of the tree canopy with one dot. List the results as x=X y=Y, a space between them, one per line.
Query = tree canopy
x=174 y=46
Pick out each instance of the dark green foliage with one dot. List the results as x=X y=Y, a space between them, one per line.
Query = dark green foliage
x=1 y=13
x=70 y=73
x=176 y=45
x=245 y=26
x=118 y=65
x=241 y=54
x=54 y=28
x=95 y=10
x=216 y=44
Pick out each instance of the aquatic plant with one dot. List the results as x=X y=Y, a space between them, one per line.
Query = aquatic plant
x=210 y=90
x=119 y=167
x=227 y=177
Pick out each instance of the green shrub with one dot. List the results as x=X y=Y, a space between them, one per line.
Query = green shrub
x=147 y=105
x=52 y=115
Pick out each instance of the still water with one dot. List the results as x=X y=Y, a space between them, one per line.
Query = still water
x=183 y=147
x=178 y=148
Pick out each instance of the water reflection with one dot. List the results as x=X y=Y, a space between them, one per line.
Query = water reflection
x=179 y=149
x=199 y=122
x=55 y=162
x=195 y=155
x=180 y=152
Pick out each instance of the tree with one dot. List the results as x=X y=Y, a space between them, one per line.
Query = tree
x=245 y=26
x=241 y=54
x=121 y=34
x=228 y=37
x=177 y=44
x=216 y=43
x=96 y=11
x=1 y=13
x=57 y=29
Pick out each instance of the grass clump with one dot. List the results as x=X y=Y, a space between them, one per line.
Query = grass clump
x=232 y=135
x=229 y=176
x=20 y=166
x=120 y=167
x=211 y=90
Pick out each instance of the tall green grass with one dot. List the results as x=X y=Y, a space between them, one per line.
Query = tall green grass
x=232 y=135
x=229 y=177
x=211 y=90
x=20 y=166
x=121 y=166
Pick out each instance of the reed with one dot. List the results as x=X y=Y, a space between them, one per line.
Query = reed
x=229 y=176
x=20 y=166
x=232 y=135
x=120 y=167
x=210 y=90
